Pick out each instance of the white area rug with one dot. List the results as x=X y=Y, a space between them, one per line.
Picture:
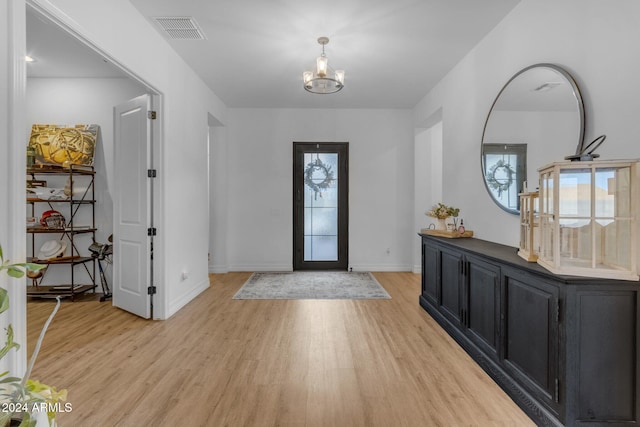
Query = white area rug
x=312 y=285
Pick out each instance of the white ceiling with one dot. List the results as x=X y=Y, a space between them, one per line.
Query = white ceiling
x=393 y=52
x=58 y=54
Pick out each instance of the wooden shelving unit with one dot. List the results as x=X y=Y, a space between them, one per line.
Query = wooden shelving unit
x=73 y=233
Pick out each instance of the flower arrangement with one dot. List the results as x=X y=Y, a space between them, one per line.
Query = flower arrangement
x=23 y=397
x=442 y=211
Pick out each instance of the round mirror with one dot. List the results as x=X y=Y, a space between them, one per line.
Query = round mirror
x=533 y=121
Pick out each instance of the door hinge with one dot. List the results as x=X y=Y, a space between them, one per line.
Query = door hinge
x=557 y=397
x=151 y=231
x=558 y=312
x=151 y=115
x=152 y=173
x=151 y=290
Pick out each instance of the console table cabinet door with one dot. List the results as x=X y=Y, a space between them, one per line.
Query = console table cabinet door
x=431 y=273
x=451 y=264
x=483 y=304
x=531 y=340
x=603 y=348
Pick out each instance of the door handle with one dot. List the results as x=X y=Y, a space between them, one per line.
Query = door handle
x=463 y=267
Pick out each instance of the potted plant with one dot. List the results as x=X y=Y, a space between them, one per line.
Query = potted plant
x=21 y=399
x=441 y=212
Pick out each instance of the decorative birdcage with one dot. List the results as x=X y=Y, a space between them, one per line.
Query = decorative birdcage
x=529 y=226
x=588 y=218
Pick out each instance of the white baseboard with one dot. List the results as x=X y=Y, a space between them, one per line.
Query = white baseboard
x=417 y=269
x=176 y=305
x=289 y=267
x=218 y=268
x=381 y=267
x=261 y=267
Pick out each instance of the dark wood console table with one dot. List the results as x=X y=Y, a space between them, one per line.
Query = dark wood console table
x=564 y=348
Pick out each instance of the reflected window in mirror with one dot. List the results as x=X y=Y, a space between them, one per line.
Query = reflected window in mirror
x=505 y=172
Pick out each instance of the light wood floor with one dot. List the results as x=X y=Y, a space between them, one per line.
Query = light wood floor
x=224 y=362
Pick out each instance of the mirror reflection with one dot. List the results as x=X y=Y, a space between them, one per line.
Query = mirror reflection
x=537 y=118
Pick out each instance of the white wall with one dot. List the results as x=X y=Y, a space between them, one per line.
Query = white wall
x=82 y=101
x=595 y=40
x=182 y=213
x=427 y=182
x=260 y=162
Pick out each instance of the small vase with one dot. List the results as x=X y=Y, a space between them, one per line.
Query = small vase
x=441 y=224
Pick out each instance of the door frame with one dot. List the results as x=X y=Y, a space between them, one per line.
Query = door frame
x=299 y=148
x=156 y=203
x=13 y=129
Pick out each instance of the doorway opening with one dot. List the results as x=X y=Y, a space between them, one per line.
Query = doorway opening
x=320 y=205
x=428 y=160
x=110 y=84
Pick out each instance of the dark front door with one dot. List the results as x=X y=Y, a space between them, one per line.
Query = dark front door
x=320 y=206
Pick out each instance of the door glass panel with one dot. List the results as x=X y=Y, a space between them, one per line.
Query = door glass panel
x=321 y=221
x=322 y=248
x=321 y=207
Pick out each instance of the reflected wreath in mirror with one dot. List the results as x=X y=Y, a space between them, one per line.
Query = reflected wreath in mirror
x=500 y=176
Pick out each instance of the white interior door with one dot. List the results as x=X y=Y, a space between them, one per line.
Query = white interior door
x=131 y=243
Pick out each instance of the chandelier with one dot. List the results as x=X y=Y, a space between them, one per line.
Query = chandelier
x=324 y=80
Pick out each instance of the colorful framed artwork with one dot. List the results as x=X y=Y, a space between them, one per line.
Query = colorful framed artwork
x=64 y=145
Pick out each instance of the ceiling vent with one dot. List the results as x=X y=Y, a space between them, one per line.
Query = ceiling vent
x=183 y=28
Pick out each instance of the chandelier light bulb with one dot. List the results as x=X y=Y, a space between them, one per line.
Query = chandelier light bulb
x=322 y=64
x=306 y=77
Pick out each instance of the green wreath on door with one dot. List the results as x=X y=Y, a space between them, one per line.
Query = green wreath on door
x=315 y=185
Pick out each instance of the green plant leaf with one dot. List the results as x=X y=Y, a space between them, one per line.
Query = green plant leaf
x=4 y=300
x=10 y=343
x=5 y=417
x=10 y=380
x=27 y=265
x=7 y=379
x=34 y=267
x=14 y=271
x=17 y=270
x=27 y=421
